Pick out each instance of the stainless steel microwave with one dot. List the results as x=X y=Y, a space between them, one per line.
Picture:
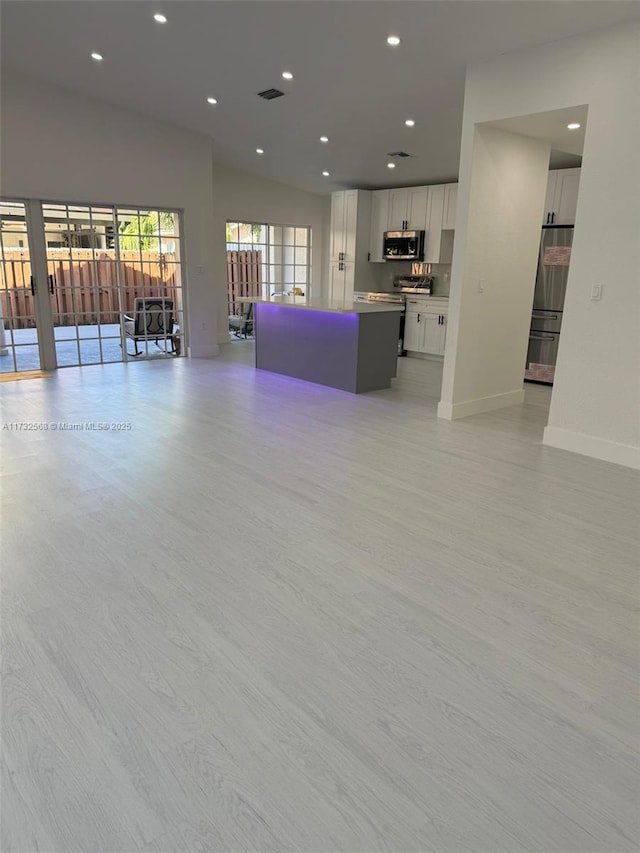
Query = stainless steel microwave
x=403 y=246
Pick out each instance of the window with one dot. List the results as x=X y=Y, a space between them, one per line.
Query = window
x=267 y=261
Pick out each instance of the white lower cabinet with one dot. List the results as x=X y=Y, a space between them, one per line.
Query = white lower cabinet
x=435 y=332
x=425 y=328
x=341 y=281
x=412 y=332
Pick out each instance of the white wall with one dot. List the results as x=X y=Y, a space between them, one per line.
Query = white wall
x=243 y=197
x=61 y=146
x=596 y=397
x=58 y=145
x=502 y=192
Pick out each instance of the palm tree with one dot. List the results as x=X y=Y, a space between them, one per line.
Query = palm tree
x=142 y=234
x=256 y=231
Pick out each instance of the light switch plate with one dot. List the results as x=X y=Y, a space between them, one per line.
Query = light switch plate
x=596 y=292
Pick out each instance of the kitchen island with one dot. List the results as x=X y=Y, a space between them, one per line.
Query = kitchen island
x=345 y=345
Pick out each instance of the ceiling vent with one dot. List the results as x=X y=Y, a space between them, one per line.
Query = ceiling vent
x=398 y=154
x=270 y=94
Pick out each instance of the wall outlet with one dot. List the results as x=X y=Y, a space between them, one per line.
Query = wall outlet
x=200 y=270
x=482 y=283
x=596 y=293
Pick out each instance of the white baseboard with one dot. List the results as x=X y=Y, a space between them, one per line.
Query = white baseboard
x=452 y=411
x=425 y=356
x=206 y=351
x=592 y=445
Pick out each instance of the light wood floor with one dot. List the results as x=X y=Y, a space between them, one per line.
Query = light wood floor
x=275 y=617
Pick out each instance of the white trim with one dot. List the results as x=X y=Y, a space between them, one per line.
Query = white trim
x=452 y=411
x=207 y=351
x=592 y=445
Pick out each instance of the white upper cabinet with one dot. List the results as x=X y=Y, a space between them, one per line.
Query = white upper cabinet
x=418 y=209
x=349 y=243
x=561 y=202
x=408 y=209
x=344 y=223
x=337 y=226
x=379 y=221
x=350 y=225
x=450 y=201
x=398 y=210
x=433 y=224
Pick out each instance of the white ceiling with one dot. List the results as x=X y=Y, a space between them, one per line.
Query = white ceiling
x=349 y=84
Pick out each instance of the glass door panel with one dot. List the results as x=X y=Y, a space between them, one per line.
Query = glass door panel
x=83 y=285
x=19 y=350
x=150 y=273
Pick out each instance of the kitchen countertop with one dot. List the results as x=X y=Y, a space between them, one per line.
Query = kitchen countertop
x=430 y=296
x=331 y=306
x=435 y=300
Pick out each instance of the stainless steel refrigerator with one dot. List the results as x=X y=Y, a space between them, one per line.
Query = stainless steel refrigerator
x=548 y=303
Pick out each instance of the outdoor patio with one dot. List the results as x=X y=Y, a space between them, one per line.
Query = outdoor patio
x=90 y=344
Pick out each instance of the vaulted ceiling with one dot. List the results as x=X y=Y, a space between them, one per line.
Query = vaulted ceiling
x=348 y=84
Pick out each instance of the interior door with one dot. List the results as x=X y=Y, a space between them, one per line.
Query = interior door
x=19 y=343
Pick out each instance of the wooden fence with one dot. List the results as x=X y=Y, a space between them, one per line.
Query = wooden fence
x=244 y=277
x=85 y=287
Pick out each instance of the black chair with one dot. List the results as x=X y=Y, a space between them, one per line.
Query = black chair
x=242 y=324
x=152 y=321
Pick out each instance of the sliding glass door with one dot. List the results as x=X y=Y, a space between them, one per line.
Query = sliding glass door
x=83 y=282
x=88 y=284
x=19 y=350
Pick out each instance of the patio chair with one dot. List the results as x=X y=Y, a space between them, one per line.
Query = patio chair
x=242 y=324
x=152 y=321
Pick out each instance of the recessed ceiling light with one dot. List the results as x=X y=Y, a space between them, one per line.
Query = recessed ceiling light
x=324 y=139
x=325 y=174
x=211 y=101
x=410 y=122
x=573 y=126
x=97 y=56
x=391 y=165
x=393 y=40
x=259 y=150
x=161 y=19
x=287 y=75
